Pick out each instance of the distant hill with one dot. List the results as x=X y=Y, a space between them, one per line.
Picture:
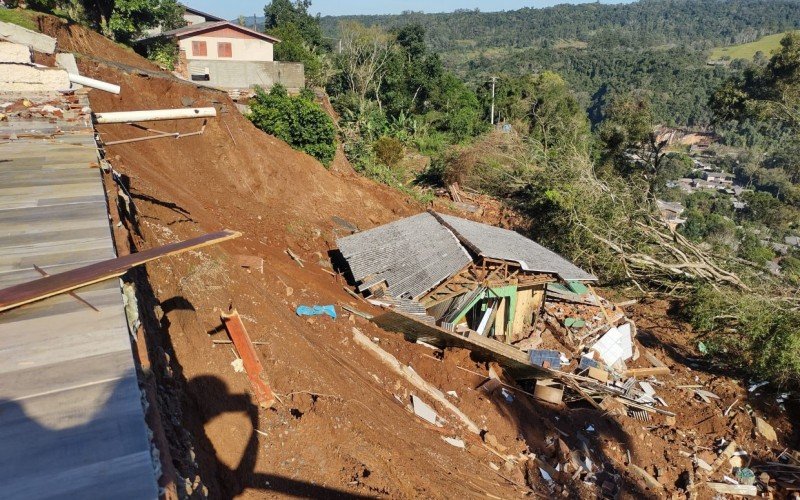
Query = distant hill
x=700 y=23
x=747 y=51
x=659 y=47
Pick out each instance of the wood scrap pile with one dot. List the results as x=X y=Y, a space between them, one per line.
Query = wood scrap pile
x=735 y=472
x=463 y=200
x=600 y=341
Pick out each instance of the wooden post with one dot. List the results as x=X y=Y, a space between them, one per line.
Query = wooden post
x=252 y=365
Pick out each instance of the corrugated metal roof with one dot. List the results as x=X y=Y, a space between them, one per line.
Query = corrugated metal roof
x=412 y=255
x=415 y=254
x=497 y=243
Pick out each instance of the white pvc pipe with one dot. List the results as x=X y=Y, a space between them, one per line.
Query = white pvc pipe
x=154 y=115
x=95 y=84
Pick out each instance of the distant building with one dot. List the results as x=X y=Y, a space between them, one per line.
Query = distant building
x=671 y=212
x=228 y=56
x=191 y=16
x=719 y=177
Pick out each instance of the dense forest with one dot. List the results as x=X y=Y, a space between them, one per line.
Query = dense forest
x=658 y=47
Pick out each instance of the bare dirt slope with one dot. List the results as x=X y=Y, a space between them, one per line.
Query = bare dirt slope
x=342 y=425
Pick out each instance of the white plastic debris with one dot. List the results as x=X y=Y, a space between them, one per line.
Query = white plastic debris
x=615 y=345
x=756 y=385
x=424 y=411
x=238 y=365
x=458 y=443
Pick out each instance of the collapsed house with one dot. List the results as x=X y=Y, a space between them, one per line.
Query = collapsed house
x=458 y=274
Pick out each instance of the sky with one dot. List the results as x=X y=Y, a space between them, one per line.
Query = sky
x=231 y=9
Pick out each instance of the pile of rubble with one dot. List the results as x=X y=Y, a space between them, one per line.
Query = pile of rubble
x=591 y=343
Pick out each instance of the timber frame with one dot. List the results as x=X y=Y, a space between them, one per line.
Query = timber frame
x=488 y=273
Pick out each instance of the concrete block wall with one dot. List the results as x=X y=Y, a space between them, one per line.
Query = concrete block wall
x=25 y=77
x=247 y=74
x=23 y=36
x=14 y=53
x=18 y=74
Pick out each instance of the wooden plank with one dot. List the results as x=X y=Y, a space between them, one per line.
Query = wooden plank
x=413 y=377
x=25 y=293
x=734 y=489
x=513 y=359
x=646 y=372
x=252 y=364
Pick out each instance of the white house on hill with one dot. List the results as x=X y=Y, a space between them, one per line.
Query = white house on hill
x=223 y=40
x=228 y=56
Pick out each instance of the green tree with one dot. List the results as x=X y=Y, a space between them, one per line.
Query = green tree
x=282 y=13
x=120 y=20
x=629 y=139
x=771 y=92
x=300 y=37
x=298 y=121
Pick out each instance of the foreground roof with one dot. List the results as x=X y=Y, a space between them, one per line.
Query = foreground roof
x=71 y=418
x=415 y=254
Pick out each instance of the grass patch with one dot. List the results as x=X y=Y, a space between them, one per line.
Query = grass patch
x=19 y=17
x=747 y=50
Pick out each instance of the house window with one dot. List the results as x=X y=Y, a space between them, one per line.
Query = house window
x=199 y=48
x=224 y=49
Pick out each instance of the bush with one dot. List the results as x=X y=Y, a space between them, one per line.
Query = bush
x=388 y=151
x=164 y=53
x=750 y=331
x=298 y=121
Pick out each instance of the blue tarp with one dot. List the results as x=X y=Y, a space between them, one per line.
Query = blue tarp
x=316 y=311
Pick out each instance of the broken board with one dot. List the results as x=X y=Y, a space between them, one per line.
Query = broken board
x=56 y=284
x=252 y=364
x=514 y=360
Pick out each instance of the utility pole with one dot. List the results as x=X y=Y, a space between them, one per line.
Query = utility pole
x=491 y=120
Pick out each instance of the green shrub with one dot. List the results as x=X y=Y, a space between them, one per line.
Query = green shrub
x=750 y=331
x=388 y=151
x=164 y=53
x=298 y=121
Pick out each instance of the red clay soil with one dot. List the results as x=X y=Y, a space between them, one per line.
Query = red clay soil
x=342 y=425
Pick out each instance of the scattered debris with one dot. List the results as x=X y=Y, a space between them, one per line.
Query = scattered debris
x=238 y=365
x=251 y=262
x=294 y=257
x=424 y=411
x=734 y=489
x=412 y=377
x=763 y=428
x=458 y=443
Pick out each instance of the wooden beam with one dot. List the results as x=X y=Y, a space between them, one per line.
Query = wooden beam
x=646 y=372
x=516 y=361
x=252 y=365
x=413 y=377
x=57 y=284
